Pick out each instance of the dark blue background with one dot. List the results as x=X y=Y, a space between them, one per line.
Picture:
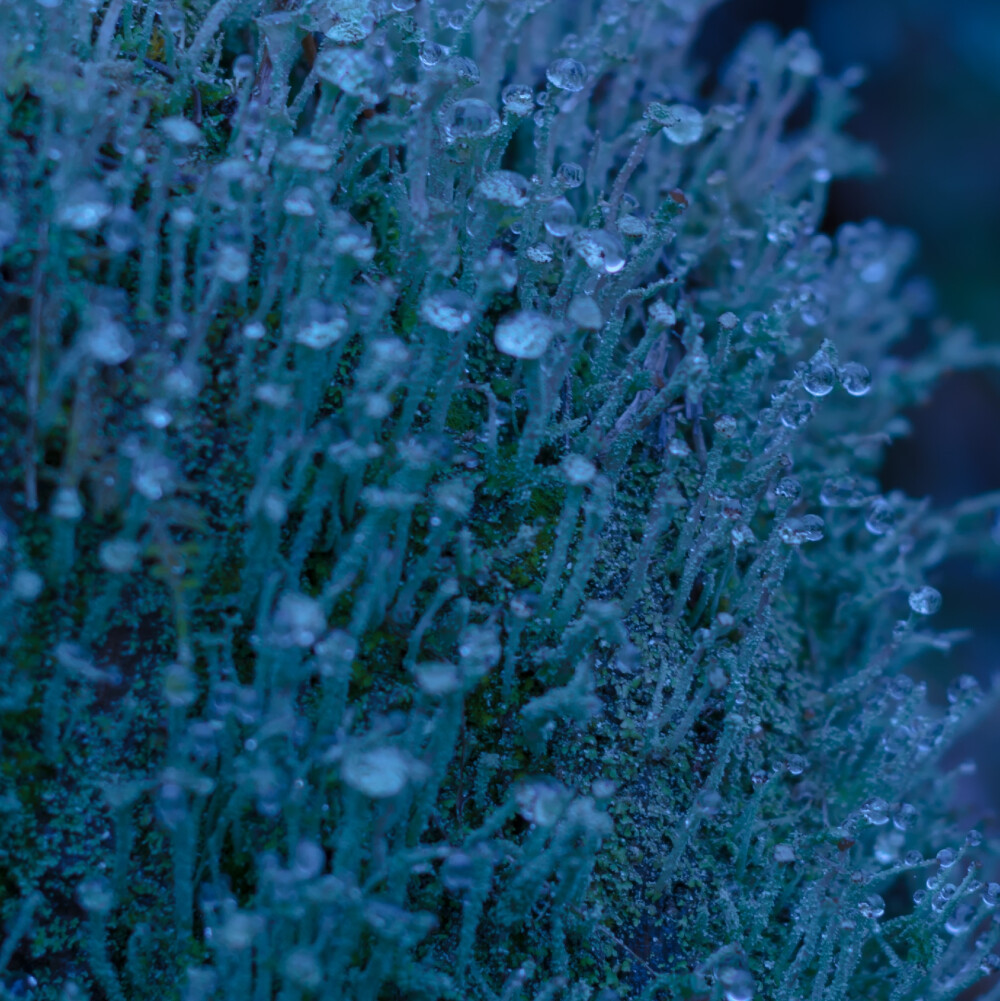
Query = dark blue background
x=931 y=105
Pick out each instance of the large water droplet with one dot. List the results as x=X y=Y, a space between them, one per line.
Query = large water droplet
x=855 y=378
x=518 y=99
x=601 y=250
x=819 y=376
x=569 y=175
x=567 y=74
x=876 y=811
x=470 y=118
x=681 y=123
x=560 y=218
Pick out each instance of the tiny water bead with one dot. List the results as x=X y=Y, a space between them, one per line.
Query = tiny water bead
x=855 y=378
x=873 y=906
x=470 y=118
x=876 y=811
x=567 y=74
x=450 y=310
x=925 y=600
x=525 y=335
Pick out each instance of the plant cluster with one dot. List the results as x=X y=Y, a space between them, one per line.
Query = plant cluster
x=442 y=552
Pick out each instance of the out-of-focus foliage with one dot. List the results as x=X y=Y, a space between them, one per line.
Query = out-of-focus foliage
x=442 y=552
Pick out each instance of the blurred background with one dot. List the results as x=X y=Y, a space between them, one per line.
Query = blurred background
x=931 y=105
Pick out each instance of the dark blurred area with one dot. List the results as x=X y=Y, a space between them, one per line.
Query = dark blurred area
x=931 y=105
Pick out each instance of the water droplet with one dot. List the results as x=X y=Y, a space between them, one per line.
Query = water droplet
x=505 y=187
x=842 y=491
x=925 y=600
x=796 y=413
x=524 y=335
x=965 y=688
x=819 y=376
x=789 y=488
x=855 y=378
x=872 y=906
x=881 y=517
x=471 y=118
x=560 y=218
x=567 y=74
x=796 y=764
x=947 y=857
x=708 y=803
x=518 y=99
x=959 y=920
x=600 y=249
x=681 y=123
x=913 y=857
x=569 y=175
x=905 y=816
x=431 y=53
x=796 y=531
x=876 y=811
